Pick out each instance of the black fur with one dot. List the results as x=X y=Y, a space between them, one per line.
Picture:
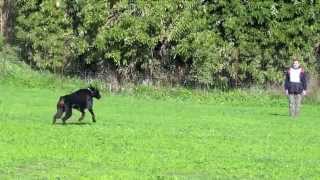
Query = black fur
x=80 y=100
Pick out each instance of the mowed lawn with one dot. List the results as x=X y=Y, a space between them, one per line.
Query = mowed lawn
x=144 y=138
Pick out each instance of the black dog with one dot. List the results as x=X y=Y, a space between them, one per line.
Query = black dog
x=80 y=100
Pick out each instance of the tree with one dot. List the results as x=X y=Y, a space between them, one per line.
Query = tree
x=205 y=43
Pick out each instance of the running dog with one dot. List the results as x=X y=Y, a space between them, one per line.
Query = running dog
x=80 y=100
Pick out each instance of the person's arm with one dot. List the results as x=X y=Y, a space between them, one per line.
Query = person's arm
x=286 y=82
x=304 y=82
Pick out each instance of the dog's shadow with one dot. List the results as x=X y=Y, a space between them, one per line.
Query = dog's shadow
x=73 y=123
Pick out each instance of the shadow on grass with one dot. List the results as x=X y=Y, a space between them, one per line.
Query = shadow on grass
x=73 y=123
x=278 y=114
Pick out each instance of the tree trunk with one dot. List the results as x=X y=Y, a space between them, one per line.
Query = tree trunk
x=7 y=19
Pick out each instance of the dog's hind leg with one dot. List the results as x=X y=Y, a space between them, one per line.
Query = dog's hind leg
x=60 y=110
x=67 y=115
x=57 y=115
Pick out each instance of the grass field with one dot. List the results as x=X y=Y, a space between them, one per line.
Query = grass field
x=147 y=138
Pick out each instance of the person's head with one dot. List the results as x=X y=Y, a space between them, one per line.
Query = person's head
x=295 y=63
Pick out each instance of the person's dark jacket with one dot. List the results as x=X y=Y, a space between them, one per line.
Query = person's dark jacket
x=294 y=87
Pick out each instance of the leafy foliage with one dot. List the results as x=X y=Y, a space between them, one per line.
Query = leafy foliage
x=212 y=43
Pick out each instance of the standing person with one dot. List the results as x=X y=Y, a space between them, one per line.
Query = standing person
x=295 y=87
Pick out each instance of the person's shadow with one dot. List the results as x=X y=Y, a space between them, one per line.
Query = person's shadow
x=277 y=114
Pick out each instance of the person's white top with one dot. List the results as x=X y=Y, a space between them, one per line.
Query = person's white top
x=295 y=75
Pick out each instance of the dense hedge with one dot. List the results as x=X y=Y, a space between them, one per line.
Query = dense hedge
x=224 y=43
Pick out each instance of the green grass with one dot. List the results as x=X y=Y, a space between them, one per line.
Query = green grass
x=152 y=133
x=142 y=137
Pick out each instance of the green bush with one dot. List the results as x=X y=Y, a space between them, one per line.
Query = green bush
x=210 y=43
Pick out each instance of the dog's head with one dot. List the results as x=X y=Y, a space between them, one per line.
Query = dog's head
x=94 y=92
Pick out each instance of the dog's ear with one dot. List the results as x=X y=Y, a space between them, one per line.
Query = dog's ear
x=93 y=87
